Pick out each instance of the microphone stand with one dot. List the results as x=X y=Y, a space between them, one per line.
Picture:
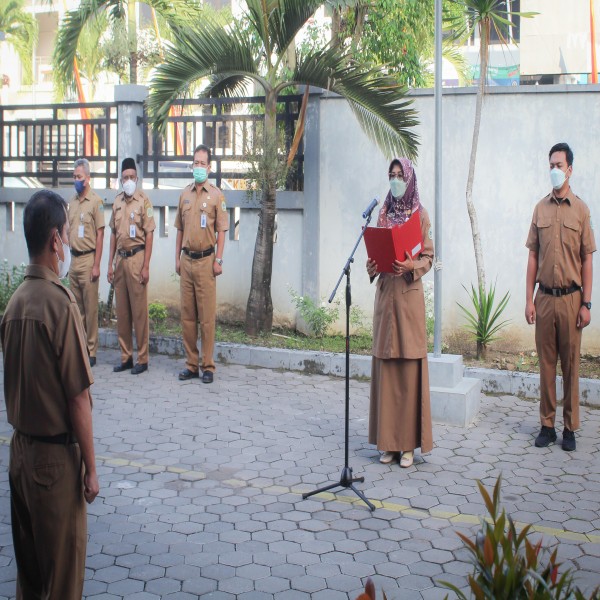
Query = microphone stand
x=346 y=480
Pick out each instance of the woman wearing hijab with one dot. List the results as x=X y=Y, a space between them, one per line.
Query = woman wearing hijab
x=400 y=413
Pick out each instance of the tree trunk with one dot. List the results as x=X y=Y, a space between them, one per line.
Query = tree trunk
x=469 y=194
x=259 y=310
x=481 y=351
x=336 y=26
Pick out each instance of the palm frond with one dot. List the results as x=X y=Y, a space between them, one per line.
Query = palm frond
x=21 y=32
x=226 y=86
x=378 y=101
x=287 y=19
x=207 y=50
x=68 y=35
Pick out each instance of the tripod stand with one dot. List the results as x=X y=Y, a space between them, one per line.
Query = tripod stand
x=346 y=480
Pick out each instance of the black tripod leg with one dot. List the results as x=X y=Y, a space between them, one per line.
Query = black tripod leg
x=323 y=489
x=362 y=496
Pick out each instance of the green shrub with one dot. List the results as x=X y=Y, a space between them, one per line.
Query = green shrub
x=10 y=279
x=483 y=322
x=508 y=566
x=158 y=314
x=318 y=318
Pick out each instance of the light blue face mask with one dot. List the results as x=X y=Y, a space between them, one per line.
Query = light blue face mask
x=200 y=174
x=398 y=187
x=557 y=177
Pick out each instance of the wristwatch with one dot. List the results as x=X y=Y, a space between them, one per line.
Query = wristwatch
x=588 y=305
x=219 y=261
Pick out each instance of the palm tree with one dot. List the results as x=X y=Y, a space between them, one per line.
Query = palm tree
x=175 y=13
x=480 y=15
x=226 y=54
x=21 y=32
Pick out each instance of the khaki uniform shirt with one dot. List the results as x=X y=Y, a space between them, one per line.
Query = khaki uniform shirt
x=131 y=219
x=86 y=216
x=200 y=215
x=561 y=234
x=45 y=354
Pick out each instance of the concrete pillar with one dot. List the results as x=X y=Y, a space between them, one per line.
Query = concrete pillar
x=130 y=109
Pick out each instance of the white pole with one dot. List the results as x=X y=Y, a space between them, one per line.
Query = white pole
x=437 y=277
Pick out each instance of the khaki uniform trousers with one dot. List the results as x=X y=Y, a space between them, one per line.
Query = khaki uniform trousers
x=86 y=294
x=556 y=334
x=48 y=519
x=132 y=307
x=198 y=303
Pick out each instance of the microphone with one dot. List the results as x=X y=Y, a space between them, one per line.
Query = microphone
x=370 y=208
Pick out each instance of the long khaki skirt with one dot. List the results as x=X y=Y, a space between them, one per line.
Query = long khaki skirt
x=400 y=412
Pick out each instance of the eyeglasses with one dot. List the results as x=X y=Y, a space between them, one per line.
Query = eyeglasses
x=395 y=175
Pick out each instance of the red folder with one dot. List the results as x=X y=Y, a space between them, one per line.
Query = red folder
x=385 y=245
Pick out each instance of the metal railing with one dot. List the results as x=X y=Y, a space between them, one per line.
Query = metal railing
x=231 y=127
x=43 y=141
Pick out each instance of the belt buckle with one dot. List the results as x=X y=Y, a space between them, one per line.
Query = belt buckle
x=556 y=292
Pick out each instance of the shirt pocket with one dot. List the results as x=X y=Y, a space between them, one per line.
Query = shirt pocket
x=186 y=214
x=544 y=228
x=571 y=233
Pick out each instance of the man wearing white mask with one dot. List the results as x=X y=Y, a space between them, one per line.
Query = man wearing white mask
x=47 y=379
x=132 y=231
x=561 y=243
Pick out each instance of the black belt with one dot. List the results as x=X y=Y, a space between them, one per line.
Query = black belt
x=557 y=292
x=61 y=438
x=195 y=255
x=78 y=253
x=129 y=253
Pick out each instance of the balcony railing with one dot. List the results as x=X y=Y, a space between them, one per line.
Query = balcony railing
x=43 y=141
x=232 y=128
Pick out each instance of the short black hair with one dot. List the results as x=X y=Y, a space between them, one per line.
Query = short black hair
x=562 y=147
x=203 y=148
x=44 y=212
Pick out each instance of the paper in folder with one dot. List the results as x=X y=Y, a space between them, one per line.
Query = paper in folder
x=385 y=245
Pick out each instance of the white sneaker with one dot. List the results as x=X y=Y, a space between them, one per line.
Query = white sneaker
x=389 y=457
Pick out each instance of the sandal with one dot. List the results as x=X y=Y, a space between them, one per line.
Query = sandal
x=407 y=459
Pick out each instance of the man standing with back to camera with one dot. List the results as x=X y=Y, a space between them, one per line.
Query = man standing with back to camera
x=201 y=222
x=86 y=236
x=561 y=243
x=47 y=376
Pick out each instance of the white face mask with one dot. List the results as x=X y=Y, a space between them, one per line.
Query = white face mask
x=557 y=177
x=129 y=187
x=398 y=187
x=63 y=265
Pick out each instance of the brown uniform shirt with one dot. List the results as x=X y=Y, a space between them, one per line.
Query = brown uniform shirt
x=209 y=202
x=86 y=216
x=45 y=354
x=561 y=234
x=132 y=212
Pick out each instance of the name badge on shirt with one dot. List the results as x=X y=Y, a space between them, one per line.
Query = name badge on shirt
x=132 y=231
x=203 y=221
x=80 y=231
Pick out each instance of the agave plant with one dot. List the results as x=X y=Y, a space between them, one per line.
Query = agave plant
x=256 y=51
x=483 y=321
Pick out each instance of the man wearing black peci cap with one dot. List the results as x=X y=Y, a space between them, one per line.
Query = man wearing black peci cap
x=132 y=230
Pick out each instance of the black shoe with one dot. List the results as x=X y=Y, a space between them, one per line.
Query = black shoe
x=207 y=377
x=568 y=443
x=92 y=361
x=123 y=366
x=187 y=374
x=546 y=437
x=139 y=368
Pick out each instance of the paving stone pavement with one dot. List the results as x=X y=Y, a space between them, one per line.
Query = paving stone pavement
x=201 y=491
